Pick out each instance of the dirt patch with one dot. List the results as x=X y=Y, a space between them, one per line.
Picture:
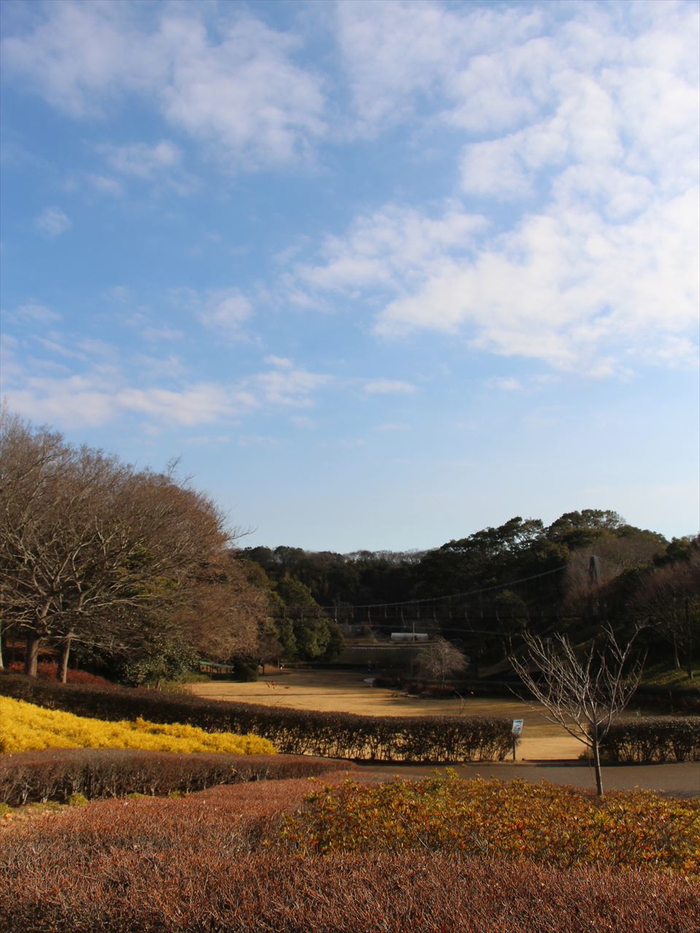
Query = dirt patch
x=348 y=692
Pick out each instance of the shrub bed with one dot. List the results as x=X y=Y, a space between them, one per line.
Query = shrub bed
x=387 y=892
x=58 y=774
x=26 y=726
x=545 y=822
x=202 y=863
x=651 y=739
x=46 y=670
x=294 y=732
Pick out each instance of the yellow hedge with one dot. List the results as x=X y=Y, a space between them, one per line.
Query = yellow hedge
x=25 y=727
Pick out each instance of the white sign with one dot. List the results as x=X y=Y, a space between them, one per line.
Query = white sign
x=518 y=726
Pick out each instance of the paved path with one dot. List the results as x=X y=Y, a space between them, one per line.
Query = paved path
x=681 y=780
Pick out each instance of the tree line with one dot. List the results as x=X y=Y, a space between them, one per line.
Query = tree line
x=137 y=573
x=585 y=570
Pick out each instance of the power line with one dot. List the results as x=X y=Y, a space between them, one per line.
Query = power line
x=436 y=599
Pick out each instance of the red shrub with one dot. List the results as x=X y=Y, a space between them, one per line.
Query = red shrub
x=46 y=670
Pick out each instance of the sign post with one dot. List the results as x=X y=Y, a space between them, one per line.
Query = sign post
x=517 y=730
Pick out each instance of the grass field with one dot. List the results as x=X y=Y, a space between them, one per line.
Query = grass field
x=347 y=691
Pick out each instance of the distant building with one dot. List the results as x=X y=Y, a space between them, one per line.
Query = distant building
x=409 y=636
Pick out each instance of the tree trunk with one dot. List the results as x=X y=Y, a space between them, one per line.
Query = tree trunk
x=62 y=669
x=2 y=635
x=676 y=656
x=596 y=762
x=31 y=657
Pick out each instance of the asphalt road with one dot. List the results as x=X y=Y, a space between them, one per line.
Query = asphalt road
x=679 y=780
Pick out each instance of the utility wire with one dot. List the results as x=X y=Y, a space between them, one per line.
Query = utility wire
x=435 y=599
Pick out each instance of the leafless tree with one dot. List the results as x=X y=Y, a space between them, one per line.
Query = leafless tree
x=615 y=555
x=581 y=691
x=90 y=547
x=440 y=659
x=668 y=600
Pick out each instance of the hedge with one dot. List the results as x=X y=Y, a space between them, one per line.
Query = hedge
x=653 y=738
x=26 y=727
x=58 y=774
x=202 y=864
x=293 y=732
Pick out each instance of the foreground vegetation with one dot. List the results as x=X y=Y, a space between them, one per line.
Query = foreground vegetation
x=58 y=775
x=204 y=862
x=26 y=727
x=489 y=819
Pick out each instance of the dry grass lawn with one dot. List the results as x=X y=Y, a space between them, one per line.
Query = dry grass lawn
x=348 y=692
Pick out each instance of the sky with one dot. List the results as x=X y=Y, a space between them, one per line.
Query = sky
x=380 y=274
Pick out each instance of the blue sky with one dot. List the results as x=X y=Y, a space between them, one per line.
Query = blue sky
x=381 y=274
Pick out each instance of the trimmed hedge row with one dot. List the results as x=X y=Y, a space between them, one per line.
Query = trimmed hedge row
x=293 y=732
x=653 y=739
x=57 y=774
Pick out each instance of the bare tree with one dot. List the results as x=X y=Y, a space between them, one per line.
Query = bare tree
x=581 y=691
x=440 y=659
x=668 y=599
x=91 y=549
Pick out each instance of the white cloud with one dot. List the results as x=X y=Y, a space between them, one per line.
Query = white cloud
x=201 y=403
x=588 y=111
x=387 y=249
x=289 y=386
x=389 y=387
x=606 y=272
x=52 y=222
x=66 y=403
x=565 y=286
x=281 y=361
x=230 y=83
x=225 y=310
x=33 y=312
x=493 y=70
x=141 y=160
x=157 y=334
x=154 y=367
x=507 y=384
x=101 y=392
x=106 y=185
x=397 y=54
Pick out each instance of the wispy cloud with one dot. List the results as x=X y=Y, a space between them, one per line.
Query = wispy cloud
x=94 y=388
x=33 y=313
x=389 y=387
x=288 y=386
x=52 y=222
x=225 y=310
x=142 y=160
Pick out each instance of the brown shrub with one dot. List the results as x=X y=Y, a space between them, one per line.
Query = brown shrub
x=56 y=774
x=653 y=738
x=200 y=864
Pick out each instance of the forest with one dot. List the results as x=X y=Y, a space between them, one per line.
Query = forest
x=586 y=570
